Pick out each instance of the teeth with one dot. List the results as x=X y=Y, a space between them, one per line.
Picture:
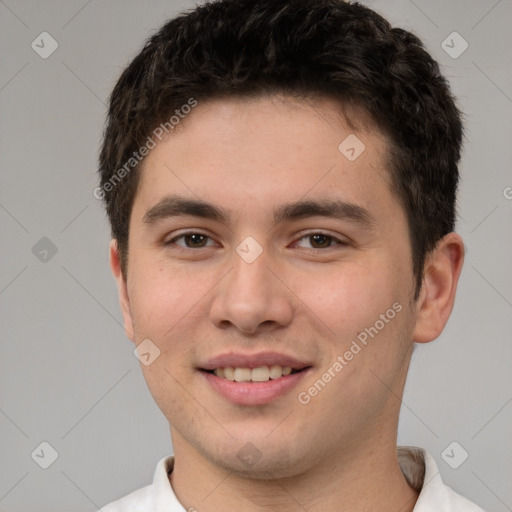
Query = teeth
x=229 y=373
x=276 y=372
x=260 y=374
x=242 y=375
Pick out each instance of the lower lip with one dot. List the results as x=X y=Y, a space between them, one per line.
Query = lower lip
x=253 y=393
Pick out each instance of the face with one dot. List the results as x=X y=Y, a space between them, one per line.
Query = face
x=271 y=270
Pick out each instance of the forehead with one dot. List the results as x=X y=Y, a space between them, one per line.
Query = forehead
x=268 y=149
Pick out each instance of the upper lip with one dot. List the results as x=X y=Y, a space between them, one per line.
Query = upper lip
x=238 y=360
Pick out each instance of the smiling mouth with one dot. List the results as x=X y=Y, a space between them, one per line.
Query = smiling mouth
x=260 y=374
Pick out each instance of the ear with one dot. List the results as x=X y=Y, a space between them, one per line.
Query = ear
x=437 y=295
x=115 y=266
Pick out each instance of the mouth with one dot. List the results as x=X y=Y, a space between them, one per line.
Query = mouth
x=260 y=374
x=253 y=379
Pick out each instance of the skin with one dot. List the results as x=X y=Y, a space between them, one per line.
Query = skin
x=338 y=452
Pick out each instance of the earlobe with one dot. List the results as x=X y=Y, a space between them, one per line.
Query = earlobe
x=115 y=266
x=441 y=275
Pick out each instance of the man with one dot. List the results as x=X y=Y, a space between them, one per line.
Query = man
x=280 y=177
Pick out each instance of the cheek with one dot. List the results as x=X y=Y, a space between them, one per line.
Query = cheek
x=350 y=297
x=160 y=298
x=165 y=385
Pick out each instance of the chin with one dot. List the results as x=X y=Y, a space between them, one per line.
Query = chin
x=271 y=467
x=257 y=458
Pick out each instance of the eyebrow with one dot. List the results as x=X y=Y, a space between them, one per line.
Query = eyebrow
x=174 y=205
x=324 y=208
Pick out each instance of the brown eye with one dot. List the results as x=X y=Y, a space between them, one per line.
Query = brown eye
x=320 y=241
x=195 y=240
x=191 y=240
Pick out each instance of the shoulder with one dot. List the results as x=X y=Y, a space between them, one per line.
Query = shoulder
x=137 y=501
x=459 y=503
x=158 y=496
x=421 y=471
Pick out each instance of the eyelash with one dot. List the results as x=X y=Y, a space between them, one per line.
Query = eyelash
x=183 y=235
x=335 y=241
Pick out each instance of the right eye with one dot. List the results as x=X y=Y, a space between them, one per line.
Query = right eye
x=191 y=240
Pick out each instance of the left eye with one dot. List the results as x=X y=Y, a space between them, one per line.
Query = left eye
x=318 y=241
x=192 y=240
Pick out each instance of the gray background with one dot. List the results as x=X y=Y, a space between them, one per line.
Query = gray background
x=68 y=375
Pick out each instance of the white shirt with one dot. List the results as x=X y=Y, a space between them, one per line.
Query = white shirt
x=417 y=465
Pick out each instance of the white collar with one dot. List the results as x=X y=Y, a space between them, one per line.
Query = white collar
x=417 y=465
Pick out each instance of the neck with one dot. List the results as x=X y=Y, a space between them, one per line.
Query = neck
x=366 y=478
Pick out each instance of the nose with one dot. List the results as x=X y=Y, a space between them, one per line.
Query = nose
x=251 y=298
